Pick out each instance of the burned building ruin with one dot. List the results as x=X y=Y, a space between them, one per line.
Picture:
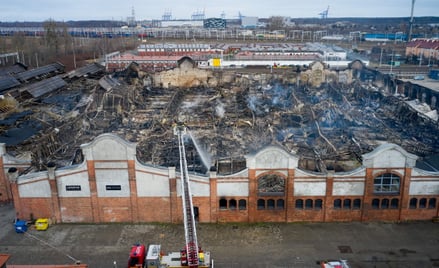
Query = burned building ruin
x=328 y=117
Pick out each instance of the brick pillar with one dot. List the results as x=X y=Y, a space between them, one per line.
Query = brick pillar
x=56 y=212
x=94 y=199
x=368 y=194
x=213 y=197
x=328 y=200
x=252 y=197
x=12 y=177
x=174 y=199
x=133 y=191
x=5 y=191
x=404 y=191
x=289 y=190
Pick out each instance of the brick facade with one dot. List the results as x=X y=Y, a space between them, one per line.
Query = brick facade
x=112 y=186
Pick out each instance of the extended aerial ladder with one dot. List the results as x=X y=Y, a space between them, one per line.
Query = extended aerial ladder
x=188 y=209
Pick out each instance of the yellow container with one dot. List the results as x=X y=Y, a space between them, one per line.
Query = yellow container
x=42 y=224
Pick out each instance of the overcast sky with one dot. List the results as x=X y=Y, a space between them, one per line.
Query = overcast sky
x=62 y=10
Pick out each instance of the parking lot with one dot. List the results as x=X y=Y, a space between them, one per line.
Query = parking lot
x=379 y=245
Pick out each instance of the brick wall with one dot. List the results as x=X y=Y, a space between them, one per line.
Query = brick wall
x=76 y=209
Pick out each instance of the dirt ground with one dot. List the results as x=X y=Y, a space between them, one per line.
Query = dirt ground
x=378 y=245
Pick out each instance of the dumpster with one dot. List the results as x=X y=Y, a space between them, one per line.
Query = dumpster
x=20 y=226
x=42 y=224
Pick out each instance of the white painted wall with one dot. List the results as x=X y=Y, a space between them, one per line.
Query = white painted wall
x=389 y=159
x=348 y=188
x=310 y=188
x=424 y=188
x=152 y=185
x=112 y=177
x=232 y=189
x=272 y=158
x=109 y=147
x=198 y=188
x=35 y=188
x=74 y=179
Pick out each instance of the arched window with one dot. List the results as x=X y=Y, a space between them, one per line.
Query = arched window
x=242 y=204
x=347 y=204
x=386 y=183
x=261 y=204
x=232 y=204
x=394 y=203
x=357 y=203
x=270 y=204
x=385 y=203
x=432 y=203
x=423 y=203
x=271 y=184
x=223 y=203
x=375 y=203
x=280 y=204
x=413 y=203
x=308 y=204
x=318 y=204
x=299 y=203
x=337 y=203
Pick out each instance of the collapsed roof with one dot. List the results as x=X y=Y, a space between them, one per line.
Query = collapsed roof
x=329 y=127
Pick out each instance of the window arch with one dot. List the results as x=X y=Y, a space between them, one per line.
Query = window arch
x=242 y=204
x=271 y=184
x=357 y=203
x=223 y=203
x=280 y=204
x=423 y=203
x=299 y=203
x=337 y=203
x=413 y=203
x=261 y=204
x=386 y=183
x=270 y=204
x=232 y=204
x=394 y=203
x=385 y=203
x=318 y=204
x=347 y=204
x=432 y=203
x=309 y=203
x=375 y=203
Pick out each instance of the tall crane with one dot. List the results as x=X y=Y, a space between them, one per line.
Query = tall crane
x=324 y=13
x=188 y=209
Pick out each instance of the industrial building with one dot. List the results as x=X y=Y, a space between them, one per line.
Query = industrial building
x=111 y=185
x=155 y=57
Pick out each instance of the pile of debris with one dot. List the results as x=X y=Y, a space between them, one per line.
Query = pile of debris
x=329 y=127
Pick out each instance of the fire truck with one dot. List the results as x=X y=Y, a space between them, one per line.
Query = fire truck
x=137 y=256
x=191 y=255
x=334 y=264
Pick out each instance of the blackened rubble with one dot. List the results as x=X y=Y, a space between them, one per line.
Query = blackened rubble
x=328 y=127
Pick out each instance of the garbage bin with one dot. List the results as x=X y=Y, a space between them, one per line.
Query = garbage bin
x=20 y=226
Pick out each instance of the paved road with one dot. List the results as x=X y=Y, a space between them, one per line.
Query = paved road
x=379 y=245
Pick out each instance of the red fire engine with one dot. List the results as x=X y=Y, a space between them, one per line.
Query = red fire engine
x=137 y=256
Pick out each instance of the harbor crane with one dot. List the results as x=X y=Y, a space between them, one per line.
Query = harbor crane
x=324 y=13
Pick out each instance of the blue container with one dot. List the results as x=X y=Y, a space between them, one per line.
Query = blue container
x=434 y=74
x=20 y=226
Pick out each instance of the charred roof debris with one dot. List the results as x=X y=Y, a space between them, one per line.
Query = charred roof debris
x=329 y=125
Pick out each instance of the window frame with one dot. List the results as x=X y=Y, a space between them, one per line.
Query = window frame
x=387 y=183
